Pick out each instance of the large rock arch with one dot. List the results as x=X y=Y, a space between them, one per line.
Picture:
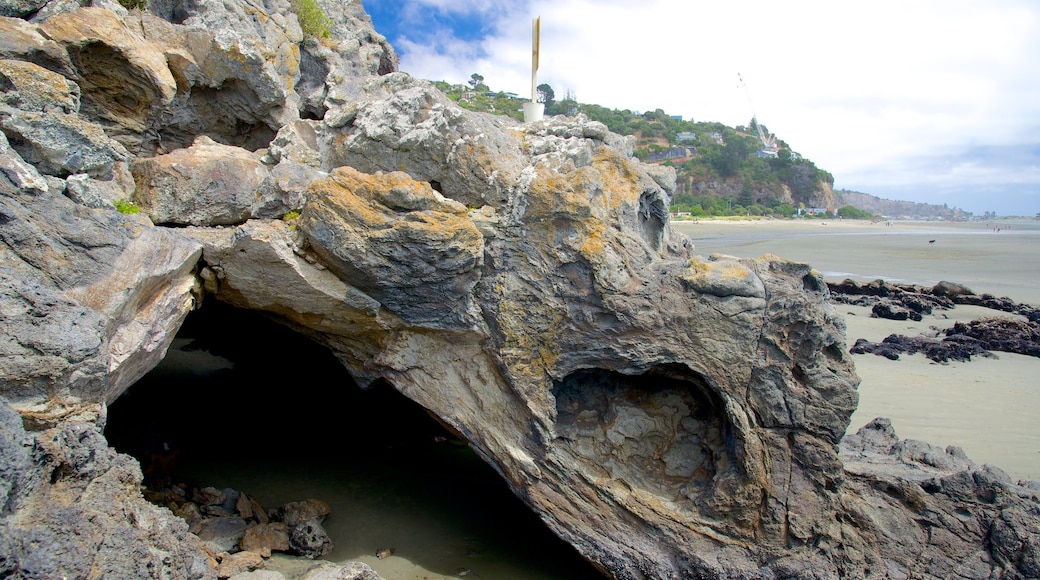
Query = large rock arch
x=510 y=261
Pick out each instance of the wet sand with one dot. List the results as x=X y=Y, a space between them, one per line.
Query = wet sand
x=987 y=406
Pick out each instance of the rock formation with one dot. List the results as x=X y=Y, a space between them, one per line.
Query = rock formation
x=962 y=340
x=669 y=415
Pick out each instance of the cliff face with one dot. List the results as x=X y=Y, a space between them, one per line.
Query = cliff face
x=821 y=195
x=668 y=414
x=894 y=208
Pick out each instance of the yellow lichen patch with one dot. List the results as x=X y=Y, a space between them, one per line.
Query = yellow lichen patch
x=595 y=243
x=732 y=271
x=722 y=269
x=395 y=192
x=289 y=65
x=338 y=196
x=552 y=193
x=37 y=88
x=724 y=277
x=531 y=349
x=443 y=229
x=698 y=267
x=766 y=259
x=618 y=181
x=530 y=337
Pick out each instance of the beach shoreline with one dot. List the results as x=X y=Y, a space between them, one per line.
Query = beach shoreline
x=985 y=406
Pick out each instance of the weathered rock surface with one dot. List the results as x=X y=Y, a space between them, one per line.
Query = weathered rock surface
x=85 y=331
x=265 y=538
x=398 y=241
x=52 y=526
x=238 y=563
x=932 y=508
x=206 y=184
x=667 y=414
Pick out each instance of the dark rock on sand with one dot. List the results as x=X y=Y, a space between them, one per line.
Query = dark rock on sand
x=943 y=296
x=962 y=341
x=1001 y=333
x=890 y=310
x=951 y=289
x=895 y=297
x=310 y=540
x=960 y=348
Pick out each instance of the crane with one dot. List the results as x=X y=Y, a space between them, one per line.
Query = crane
x=769 y=147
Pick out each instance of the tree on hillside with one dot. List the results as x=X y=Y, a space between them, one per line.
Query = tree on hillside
x=475 y=80
x=854 y=213
x=747 y=194
x=732 y=155
x=546 y=94
x=785 y=209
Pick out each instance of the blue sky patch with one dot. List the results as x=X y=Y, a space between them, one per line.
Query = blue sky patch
x=421 y=24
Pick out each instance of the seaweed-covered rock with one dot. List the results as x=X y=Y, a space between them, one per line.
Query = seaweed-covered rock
x=1001 y=333
x=956 y=348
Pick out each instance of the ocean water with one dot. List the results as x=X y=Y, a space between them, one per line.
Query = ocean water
x=1003 y=263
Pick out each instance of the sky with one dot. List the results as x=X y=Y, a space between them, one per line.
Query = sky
x=935 y=101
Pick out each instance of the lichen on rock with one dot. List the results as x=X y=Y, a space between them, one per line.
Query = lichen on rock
x=667 y=414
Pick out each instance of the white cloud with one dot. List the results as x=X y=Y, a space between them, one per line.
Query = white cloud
x=862 y=89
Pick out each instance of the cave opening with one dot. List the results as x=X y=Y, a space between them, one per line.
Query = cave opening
x=245 y=403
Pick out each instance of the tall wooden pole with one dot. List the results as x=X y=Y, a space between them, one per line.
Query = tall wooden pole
x=535 y=36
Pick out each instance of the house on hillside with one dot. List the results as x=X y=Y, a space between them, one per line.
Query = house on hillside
x=813 y=211
x=685 y=136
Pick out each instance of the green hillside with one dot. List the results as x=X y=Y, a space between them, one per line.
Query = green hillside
x=720 y=170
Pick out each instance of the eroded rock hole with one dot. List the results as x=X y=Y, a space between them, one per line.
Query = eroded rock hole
x=653 y=215
x=245 y=404
x=811 y=283
x=232 y=114
x=175 y=11
x=112 y=88
x=662 y=431
x=311 y=88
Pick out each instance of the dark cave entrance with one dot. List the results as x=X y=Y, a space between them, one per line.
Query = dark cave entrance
x=242 y=402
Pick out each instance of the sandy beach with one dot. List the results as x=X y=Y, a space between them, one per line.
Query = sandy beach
x=987 y=406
